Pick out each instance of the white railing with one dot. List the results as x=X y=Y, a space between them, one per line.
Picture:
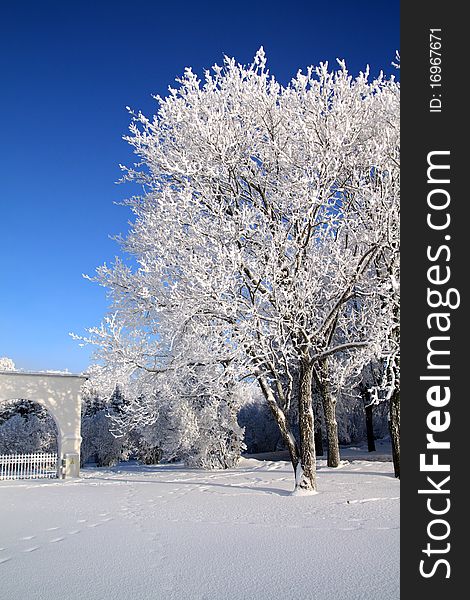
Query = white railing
x=38 y=465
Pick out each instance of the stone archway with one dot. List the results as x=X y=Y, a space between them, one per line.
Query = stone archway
x=59 y=393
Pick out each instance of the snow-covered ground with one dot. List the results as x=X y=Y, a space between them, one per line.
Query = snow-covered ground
x=170 y=533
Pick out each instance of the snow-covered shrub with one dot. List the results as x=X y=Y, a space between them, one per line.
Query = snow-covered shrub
x=6 y=364
x=146 y=445
x=219 y=441
x=186 y=414
x=201 y=433
x=99 y=445
x=26 y=427
x=104 y=441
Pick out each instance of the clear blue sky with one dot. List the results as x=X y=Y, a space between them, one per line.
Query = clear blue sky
x=68 y=70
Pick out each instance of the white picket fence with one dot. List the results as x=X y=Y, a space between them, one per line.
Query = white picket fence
x=37 y=465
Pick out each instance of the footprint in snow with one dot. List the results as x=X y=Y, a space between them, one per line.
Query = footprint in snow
x=32 y=549
x=55 y=540
x=4 y=560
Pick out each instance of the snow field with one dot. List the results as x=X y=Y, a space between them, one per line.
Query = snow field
x=149 y=533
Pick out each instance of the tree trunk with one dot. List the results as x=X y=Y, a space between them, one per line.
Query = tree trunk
x=329 y=410
x=318 y=425
x=394 y=423
x=318 y=441
x=282 y=422
x=305 y=479
x=370 y=428
x=329 y=407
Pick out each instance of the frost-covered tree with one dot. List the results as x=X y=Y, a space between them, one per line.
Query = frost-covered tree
x=188 y=414
x=99 y=445
x=385 y=386
x=262 y=216
x=26 y=427
x=6 y=364
x=390 y=354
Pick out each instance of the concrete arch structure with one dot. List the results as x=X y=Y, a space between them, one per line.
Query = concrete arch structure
x=59 y=393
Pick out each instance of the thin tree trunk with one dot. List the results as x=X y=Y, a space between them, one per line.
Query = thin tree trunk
x=305 y=479
x=282 y=422
x=394 y=423
x=370 y=428
x=318 y=441
x=318 y=426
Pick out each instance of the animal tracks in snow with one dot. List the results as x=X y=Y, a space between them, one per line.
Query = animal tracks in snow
x=162 y=520
x=42 y=539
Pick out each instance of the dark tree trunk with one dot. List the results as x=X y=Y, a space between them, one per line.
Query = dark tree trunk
x=394 y=422
x=318 y=440
x=370 y=428
x=305 y=478
x=317 y=408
